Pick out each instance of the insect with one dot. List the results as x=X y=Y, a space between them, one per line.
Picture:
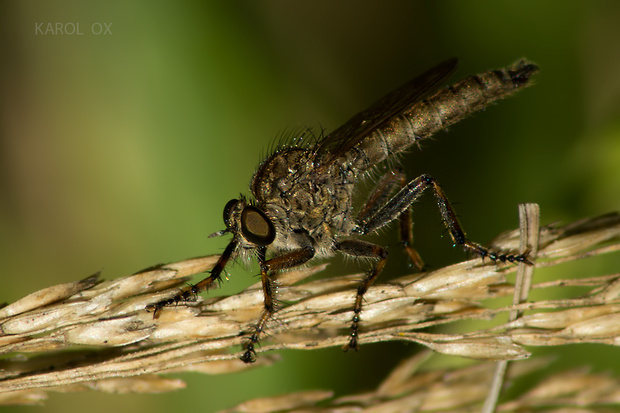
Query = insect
x=302 y=195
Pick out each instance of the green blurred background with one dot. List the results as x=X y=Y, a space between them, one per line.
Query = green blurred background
x=119 y=149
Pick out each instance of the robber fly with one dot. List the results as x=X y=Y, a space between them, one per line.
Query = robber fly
x=301 y=203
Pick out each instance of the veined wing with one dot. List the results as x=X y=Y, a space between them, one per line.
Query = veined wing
x=400 y=100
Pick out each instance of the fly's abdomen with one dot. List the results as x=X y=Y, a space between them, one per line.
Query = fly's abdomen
x=446 y=107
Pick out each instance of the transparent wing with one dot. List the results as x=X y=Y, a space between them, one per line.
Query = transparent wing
x=398 y=101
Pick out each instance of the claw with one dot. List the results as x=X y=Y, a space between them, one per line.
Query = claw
x=249 y=356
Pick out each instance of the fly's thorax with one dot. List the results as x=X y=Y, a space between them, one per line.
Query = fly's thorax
x=300 y=193
x=278 y=172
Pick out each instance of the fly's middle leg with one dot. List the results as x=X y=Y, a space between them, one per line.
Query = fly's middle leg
x=406 y=239
x=359 y=248
x=402 y=202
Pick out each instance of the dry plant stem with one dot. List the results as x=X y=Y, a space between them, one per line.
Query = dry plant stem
x=96 y=334
x=529 y=225
x=411 y=389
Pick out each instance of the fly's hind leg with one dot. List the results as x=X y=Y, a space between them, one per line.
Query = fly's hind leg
x=373 y=216
x=402 y=202
x=268 y=268
x=358 y=248
x=385 y=188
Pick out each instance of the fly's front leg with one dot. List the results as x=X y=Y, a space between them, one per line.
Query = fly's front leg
x=386 y=186
x=409 y=194
x=268 y=268
x=190 y=292
x=358 y=248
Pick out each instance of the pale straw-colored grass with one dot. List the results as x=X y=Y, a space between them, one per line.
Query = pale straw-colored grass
x=97 y=335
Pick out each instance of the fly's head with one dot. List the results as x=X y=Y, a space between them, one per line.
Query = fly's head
x=250 y=226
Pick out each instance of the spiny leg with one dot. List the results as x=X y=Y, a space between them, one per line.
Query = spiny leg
x=188 y=293
x=409 y=194
x=268 y=268
x=360 y=248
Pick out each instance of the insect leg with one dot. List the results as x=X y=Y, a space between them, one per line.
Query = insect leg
x=387 y=185
x=268 y=268
x=360 y=248
x=409 y=194
x=406 y=239
x=187 y=293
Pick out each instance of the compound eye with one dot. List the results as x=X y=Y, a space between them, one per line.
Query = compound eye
x=228 y=210
x=256 y=227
